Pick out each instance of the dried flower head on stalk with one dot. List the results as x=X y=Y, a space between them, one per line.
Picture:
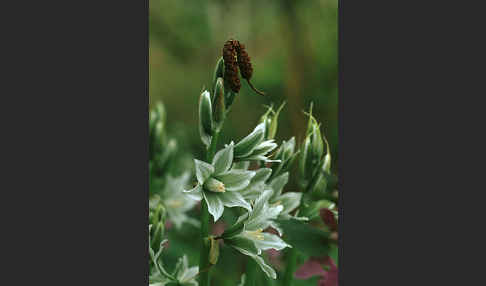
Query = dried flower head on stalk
x=231 y=66
x=235 y=55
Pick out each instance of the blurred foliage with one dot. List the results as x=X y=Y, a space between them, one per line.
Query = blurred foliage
x=293 y=47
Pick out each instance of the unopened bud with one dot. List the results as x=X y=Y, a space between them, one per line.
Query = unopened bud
x=272 y=129
x=214 y=185
x=219 y=110
x=205 y=118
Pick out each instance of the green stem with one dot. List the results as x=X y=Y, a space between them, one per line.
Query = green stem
x=212 y=147
x=204 y=248
x=291 y=267
x=292 y=255
x=251 y=272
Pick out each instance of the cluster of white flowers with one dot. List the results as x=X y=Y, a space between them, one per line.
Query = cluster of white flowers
x=250 y=174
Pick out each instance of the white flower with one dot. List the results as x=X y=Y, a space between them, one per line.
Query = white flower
x=247 y=235
x=219 y=185
x=176 y=203
x=254 y=148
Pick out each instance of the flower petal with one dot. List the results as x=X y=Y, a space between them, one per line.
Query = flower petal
x=234 y=199
x=235 y=180
x=215 y=206
x=264 y=147
x=243 y=245
x=223 y=159
x=271 y=241
x=278 y=183
x=241 y=165
x=264 y=219
x=308 y=269
x=247 y=144
x=194 y=193
x=203 y=171
x=257 y=183
x=290 y=201
x=266 y=268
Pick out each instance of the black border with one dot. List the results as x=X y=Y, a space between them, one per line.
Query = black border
x=77 y=75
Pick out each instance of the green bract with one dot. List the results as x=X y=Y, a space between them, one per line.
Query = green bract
x=219 y=184
x=247 y=235
x=253 y=147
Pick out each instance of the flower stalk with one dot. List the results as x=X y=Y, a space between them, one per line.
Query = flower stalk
x=204 y=248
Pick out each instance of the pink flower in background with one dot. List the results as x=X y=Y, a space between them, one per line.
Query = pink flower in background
x=218 y=228
x=275 y=258
x=168 y=224
x=315 y=267
x=328 y=218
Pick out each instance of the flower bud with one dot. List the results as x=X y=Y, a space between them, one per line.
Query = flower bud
x=272 y=129
x=317 y=143
x=156 y=235
x=265 y=119
x=270 y=118
x=157 y=120
x=218 y=73
x=214 y=185
x=286 y=154
x=327 y=159
x=305 y=154
x=205 y=118
x=219 y=110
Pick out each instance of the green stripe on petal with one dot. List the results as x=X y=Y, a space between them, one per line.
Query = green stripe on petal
x=271 y=241
x=243 y=245
x=236 y=180
x=290 y=201
x=194 y=193
x=203 y=171
x=215 y=206
x=278 y=183
x=247 y=144
x=263 y=220
x=234 y=199
x=267 y=269
x=223 y=159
